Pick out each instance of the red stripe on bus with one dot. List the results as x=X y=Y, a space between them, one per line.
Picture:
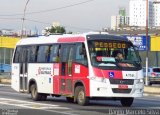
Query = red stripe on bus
x=117 y=74
x=71 y=39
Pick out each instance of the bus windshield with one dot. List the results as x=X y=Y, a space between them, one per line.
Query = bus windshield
x=113 y=53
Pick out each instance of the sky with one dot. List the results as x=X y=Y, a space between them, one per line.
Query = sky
x=89 y=15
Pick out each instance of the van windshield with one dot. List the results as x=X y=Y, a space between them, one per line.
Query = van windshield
x=113 y=53
x=156 y=70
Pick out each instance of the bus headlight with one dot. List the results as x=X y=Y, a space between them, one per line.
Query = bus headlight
x=140 y=81
x=137 y=81
x=99 y=79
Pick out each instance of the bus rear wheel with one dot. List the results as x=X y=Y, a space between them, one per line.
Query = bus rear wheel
x=127 y=102
x=34 y=93
x=80 y=96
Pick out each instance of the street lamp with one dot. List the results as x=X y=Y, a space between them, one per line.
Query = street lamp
x=146 y=79
x=24 y=13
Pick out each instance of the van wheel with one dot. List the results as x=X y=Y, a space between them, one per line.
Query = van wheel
x=149 y=83
x=34 y=93
x=69 y=99
x=127 y=102
x=80 y=96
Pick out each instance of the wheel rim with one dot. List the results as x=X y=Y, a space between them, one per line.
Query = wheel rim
x=81 y=96
x=34 y=92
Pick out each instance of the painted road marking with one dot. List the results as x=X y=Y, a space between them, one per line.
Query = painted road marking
x=12 y=93
x=5 y=85
x=34 y=105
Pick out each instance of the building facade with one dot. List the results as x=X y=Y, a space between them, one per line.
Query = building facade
x=156 y=12
x=119 y=22
x=137 y=12
x=122 y=11
x=7 y=45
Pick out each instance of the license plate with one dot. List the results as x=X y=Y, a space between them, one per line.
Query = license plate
x=123 y=86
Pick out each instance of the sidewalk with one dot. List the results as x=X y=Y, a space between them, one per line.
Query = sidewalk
x=5 y=81
x=152 y=90
x=5 y=78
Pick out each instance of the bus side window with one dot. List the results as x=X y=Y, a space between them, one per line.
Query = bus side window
x=33 y=54
x=64 y=54
x=48 y=53
x=17 y=55
x=54 y=53
x=70 y=59
x=81 y=55
x=42 y=54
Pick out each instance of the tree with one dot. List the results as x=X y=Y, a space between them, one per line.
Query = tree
x=56 y=29
x=70 y=32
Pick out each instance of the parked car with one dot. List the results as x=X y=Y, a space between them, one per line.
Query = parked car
x=153 y=75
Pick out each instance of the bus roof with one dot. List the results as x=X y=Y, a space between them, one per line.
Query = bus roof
x=68 y=38
x=103 y=36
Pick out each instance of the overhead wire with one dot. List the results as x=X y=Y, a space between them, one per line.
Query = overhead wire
x=59 y=8
x=10 y=18
x=50 y=10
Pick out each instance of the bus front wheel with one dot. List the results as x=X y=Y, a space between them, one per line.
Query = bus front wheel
x=127 y=102
x=34 y=93
x=81 y=96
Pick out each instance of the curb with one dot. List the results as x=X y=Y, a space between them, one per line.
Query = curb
x=151 y=95
x=5 y=85
x=152 y=90
x=5 y=81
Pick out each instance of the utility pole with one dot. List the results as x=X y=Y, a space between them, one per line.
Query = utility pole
x=146 y=79
x=24 y=13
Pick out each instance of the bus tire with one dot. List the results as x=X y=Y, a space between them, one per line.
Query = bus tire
x=127 y=102
x=43 y=97
x=70 y=99
x=80 y=94
x=34 y=93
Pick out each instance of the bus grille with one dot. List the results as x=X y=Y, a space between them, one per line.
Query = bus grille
x=116 y=90
x=122 y=81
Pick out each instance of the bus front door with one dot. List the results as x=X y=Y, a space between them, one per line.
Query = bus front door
x=67 y=55
x=24 y=70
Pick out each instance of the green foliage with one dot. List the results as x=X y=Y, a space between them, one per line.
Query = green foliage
x=56 y=29
x=70 y=32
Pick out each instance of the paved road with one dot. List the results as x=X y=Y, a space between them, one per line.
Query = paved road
x=13 y=103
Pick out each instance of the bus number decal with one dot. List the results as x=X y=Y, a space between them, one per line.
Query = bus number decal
x=77 y=68
x=56 y=69
x=44 y=70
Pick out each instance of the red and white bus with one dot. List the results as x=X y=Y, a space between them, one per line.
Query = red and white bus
x=80 y=67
